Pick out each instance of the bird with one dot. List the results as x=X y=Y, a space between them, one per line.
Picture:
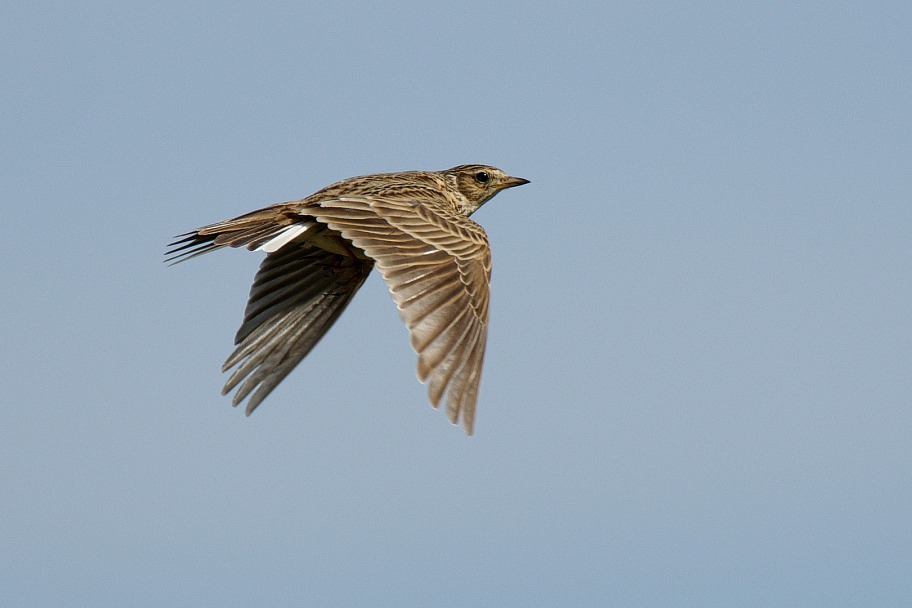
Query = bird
x=414 y=227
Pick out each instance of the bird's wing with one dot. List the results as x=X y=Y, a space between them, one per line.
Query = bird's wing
x=298 y=293
x=437 y=265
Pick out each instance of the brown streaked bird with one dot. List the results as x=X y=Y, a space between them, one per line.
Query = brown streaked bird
x=414 y=226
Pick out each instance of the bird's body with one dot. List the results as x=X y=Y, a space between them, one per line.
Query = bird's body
x=414 y=227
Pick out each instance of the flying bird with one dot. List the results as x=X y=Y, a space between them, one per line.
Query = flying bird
x=414 y=227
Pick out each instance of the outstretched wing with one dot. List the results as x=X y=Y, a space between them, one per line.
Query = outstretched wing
x=298 y=293
x=437 y=265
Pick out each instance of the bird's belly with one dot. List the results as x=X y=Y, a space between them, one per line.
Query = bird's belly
x=334 y=242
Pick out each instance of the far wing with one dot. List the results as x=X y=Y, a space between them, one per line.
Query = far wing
x=298 y=293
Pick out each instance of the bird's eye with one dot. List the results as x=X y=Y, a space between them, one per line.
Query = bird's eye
x=482 y=177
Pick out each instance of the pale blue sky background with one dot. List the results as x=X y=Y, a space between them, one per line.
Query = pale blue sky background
x=698 y=386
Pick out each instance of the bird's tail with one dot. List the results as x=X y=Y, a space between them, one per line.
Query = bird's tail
x=266 y=229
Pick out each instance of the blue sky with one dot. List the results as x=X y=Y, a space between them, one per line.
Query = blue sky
x=698 y=384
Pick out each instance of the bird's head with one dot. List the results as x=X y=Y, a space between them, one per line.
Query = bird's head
x=479 y=183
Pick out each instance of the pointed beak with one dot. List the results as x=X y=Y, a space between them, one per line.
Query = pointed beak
x=512 y=182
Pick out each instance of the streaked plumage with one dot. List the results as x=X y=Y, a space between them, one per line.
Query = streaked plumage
x=414 y=227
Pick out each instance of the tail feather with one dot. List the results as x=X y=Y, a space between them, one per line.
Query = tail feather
x=250 y=230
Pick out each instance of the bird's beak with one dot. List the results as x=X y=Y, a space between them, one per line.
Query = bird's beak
x=511 y=182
